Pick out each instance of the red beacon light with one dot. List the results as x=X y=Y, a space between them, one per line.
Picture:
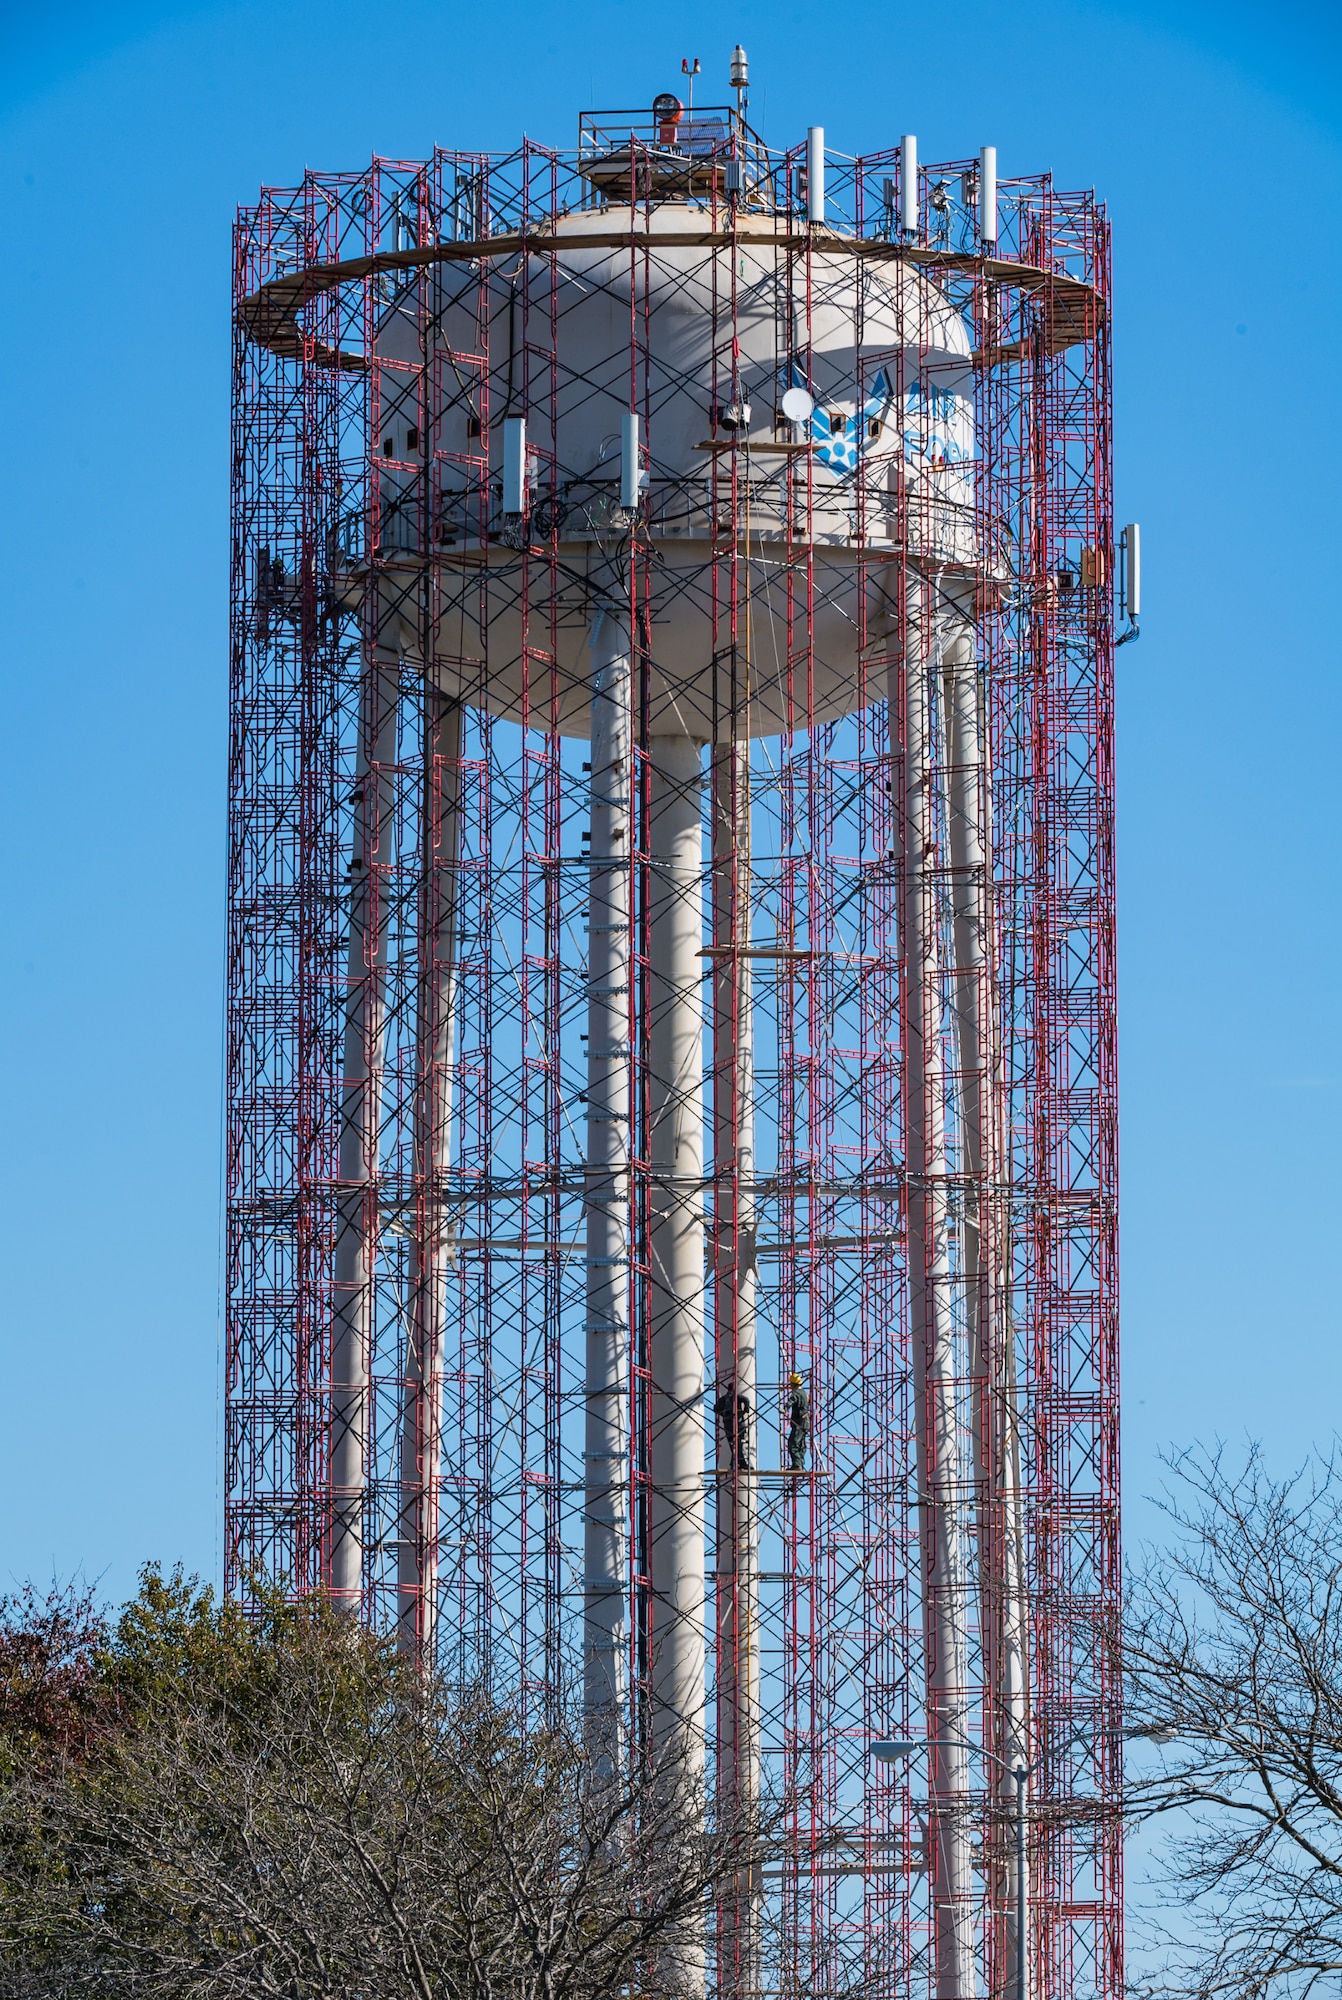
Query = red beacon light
x=668 y=111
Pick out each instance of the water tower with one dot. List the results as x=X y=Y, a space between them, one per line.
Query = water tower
x=671 y=1159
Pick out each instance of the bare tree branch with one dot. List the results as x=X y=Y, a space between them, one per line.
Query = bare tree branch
x=296 y=1812
x=1234 y=1661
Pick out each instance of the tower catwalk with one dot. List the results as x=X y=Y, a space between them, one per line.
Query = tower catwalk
x=671 y=1145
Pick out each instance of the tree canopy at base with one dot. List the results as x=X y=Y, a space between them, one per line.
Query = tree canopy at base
x=194 y=1802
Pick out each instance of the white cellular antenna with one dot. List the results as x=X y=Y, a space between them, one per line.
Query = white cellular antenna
x=1131 y=544
x=988 y=197
x=514 y=465
x=908 y=184
x=815 y=173
x=629 y=465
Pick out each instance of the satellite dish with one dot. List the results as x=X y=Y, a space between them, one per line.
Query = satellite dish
x=798 y=405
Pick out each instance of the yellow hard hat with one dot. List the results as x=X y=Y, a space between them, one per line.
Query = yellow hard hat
x=795 y=1380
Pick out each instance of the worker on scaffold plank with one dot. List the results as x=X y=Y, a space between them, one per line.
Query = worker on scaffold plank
x=799 y=1425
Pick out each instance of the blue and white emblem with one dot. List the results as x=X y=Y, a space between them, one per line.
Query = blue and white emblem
x=938 y=426
x=840 y=436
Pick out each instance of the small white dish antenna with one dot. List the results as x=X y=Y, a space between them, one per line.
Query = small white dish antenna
x=798 y=405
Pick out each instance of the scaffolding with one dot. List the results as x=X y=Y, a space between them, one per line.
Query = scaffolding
x=591 y=1323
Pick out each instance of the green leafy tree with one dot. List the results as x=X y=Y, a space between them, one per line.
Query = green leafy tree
x=201 y=1802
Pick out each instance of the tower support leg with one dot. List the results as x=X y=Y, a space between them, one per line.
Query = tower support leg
x=358 y=1223
x=991 y=1341
x=431 y=1248
x=735 y=1384
x=676 y=1259
x=940 y=1482
x=609 y=1106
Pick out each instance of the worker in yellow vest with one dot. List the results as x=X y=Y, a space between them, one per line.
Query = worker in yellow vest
x=799 y=1428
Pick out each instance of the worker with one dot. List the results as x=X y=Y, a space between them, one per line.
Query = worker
x=734 y=1413
x=939 y=204
x=799 y=1428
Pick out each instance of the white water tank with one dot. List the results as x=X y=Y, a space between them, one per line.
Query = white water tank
x=893 y=409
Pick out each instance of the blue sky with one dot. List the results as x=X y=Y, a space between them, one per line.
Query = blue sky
x=128 y=134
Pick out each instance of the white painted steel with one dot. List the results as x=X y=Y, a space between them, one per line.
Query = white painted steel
x=676 y=1526
x=630 y=466
x=735 y=1280
x=908 y=184
x=609 y=1105
x=422 y=1396
x=815 y=173
x=1132 y=570
x=514 y=465
x=923 y=452
x=357 y=1220
x=941 y=1483
x=991 y=1347
x=912 y=434
x=988 y=196
x=676 y=1249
